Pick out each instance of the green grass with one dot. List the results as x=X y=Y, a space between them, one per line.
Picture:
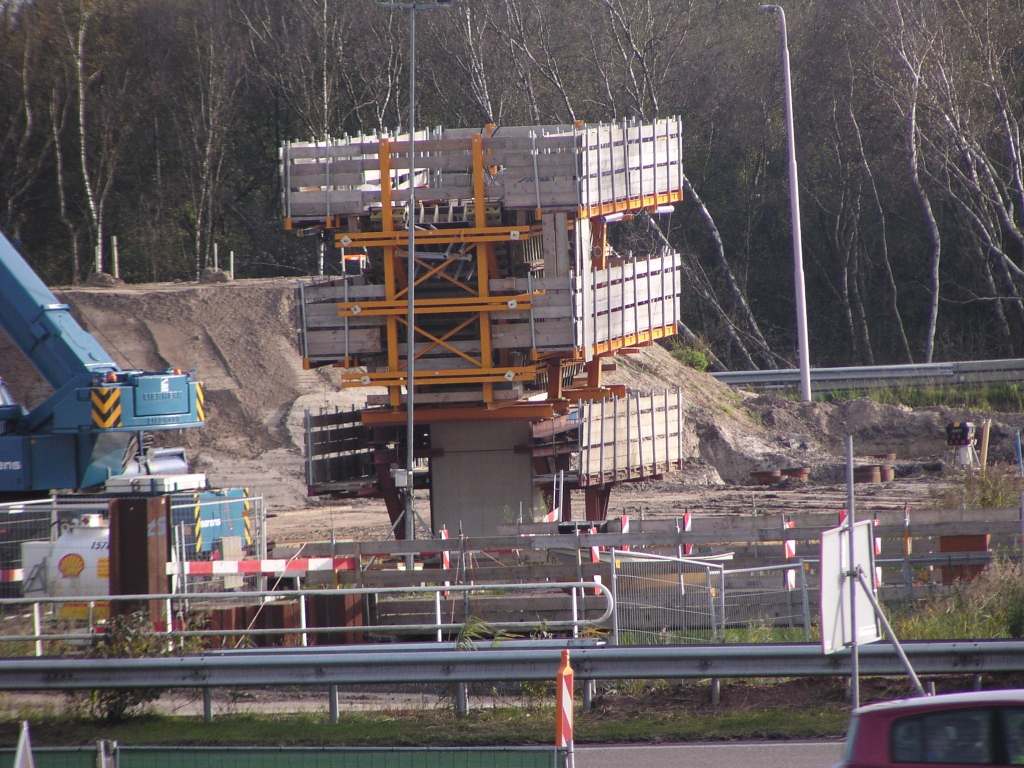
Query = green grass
x=1002 y=397
x=989 y=606
x=436 y=728
x=1000 y=485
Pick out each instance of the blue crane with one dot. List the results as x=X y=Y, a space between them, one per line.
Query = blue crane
x=90 y=428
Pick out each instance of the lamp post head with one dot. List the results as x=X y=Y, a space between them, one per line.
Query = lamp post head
x=762 y=8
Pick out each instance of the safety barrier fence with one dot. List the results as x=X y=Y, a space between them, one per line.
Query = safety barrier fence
x=662 y=600
x=177 y=609
x=290 y=757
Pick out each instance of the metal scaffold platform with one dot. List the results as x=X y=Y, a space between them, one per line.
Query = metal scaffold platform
x=518 y=296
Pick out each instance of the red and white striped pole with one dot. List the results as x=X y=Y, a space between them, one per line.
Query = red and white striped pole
x=788 y=553
x=564 y=710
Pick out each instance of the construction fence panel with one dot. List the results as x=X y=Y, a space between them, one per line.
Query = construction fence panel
x=664 y=600
x=772 y=596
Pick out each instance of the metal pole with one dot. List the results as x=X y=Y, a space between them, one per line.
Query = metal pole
x=852 y=575
x=888 y=630
x=333 y=704
x=37 y=628
x=794 y=202
x=410 y=330
x=302 y=620
x=437 y=615
x=615 y=600
x=804 y=603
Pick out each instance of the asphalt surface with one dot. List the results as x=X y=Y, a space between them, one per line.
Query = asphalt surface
x=761 y=754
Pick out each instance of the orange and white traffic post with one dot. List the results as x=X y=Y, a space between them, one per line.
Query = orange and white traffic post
x=564 y=709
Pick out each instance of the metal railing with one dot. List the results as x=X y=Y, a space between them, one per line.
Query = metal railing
x=178 y=607
x=881 y=376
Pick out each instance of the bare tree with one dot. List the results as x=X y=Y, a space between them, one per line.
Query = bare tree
x=105 y=88
x=462 y=36
x=908 y=32
x=300 y=53
x=25 y=144
x=204 y=115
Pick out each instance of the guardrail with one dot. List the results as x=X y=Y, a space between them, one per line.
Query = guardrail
x=317 y=668
x=881 y=376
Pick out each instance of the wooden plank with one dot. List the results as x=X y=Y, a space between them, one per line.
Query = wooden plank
x=315 y=294
x=549 y=333
x=326 y=316
x=331 y=343
x=469 y=347
x=520 y=284
x=541 y=313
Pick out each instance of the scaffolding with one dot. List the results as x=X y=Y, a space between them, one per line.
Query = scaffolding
x=518 y=294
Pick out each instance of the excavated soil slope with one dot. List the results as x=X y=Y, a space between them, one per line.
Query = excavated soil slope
x=241 y=339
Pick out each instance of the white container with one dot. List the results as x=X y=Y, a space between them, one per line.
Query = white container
x=79 y=563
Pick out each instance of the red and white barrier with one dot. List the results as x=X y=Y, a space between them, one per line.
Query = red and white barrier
x=294 y=567
x=789 y=552
x=12 y=574
x=595 y=557
x=564 y=709
x=446 y=561
x=687 y=527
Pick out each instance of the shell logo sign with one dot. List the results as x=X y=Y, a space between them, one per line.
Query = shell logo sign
x=71 y=565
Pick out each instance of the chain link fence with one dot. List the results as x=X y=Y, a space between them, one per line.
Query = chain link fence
x=670 y=600
x=663 y=600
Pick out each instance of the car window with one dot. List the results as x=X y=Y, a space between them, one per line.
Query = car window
x=1013 y=731
x=962 y=737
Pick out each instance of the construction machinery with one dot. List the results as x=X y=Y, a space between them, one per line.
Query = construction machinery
x=92 y=428
x=519 y=302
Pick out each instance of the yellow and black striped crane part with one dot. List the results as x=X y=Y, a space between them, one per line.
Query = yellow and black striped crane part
x=199 y=523
x=200 y=402
x=247 y=517
x=106 y=407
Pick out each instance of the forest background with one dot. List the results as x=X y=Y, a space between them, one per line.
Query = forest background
x=159 y=121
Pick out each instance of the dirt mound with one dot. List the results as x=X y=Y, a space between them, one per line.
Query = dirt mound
x=241 y=339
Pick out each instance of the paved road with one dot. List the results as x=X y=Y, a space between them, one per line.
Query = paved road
x=762 y=754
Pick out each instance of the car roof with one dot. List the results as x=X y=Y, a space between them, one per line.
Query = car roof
x=972 y=698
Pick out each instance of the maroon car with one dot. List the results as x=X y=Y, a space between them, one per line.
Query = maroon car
x=983 y=728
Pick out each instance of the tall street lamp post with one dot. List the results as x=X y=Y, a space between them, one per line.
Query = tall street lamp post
x=409 y=512
x=794 y=203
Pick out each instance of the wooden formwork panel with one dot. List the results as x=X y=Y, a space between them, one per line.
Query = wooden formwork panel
x=630 y=299
x=547 y=167
x=630 y=438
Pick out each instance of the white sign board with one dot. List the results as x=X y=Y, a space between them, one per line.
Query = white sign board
x=836 y=632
